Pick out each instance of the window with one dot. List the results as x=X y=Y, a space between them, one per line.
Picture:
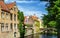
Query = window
x=26 y=20
x=11 y=9
x=6 y=26
x=17 y=26
x=10 y=16
x=2 y=14
x=15 y=34
x=7 y=15
x=14 y=8
x=14 y=26
x=2 y=27
x=14 y=17
x=11 y=26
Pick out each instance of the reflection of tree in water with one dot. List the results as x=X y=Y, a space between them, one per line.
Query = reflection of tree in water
x=29 y=36
x=32 y=36
x=48 y=36
x=41 y=36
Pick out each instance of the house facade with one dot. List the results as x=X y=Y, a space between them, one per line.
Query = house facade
x=8 y=20
x=33 y=24
x=28 y=21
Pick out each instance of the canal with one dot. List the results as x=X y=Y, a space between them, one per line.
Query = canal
x=41 y=36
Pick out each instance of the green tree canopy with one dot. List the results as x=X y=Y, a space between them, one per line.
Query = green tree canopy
x=20 y=16
x=21 y=24
x=53 y=17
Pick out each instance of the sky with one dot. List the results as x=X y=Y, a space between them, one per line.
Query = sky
x=30 y=7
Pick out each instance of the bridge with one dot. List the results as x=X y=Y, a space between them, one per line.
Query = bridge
x=47 y=30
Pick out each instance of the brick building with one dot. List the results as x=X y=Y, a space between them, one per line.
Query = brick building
x=8 y=20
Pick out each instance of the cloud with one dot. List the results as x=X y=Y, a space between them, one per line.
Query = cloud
x=28 y=12
x=6 y=0
x=42 y=3
x=26 y=1
x=20 y=1
x=37 y=13
x=35 y=7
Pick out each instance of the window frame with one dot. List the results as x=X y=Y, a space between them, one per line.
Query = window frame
x=2 y=14
x=2 y=26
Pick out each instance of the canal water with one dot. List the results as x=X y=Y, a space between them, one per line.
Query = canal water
x=41 y=36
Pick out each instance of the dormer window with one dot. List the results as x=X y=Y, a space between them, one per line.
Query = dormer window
x=11 y=8
x=14 y=9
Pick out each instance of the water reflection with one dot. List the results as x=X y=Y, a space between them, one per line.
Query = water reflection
x=41 y=36
x=48 y=36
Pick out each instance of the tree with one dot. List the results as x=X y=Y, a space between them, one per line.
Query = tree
x=21 y=25
x=53 y=17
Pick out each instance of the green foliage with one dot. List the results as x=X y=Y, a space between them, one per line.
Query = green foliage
x=21 y=25
x=20 y=16
x=20 y=28
x=45 y=20
x=53 y=17
x=52 y=23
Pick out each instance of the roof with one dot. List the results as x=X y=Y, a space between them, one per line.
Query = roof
x=10 y=5
x=34 y=17
x=3 y=5
x=31 y=18
x=25 y=17
x=6 y=7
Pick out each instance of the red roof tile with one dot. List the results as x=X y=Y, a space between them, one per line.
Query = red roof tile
x=4 y=7
x=10 y=5
x=34 y=17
